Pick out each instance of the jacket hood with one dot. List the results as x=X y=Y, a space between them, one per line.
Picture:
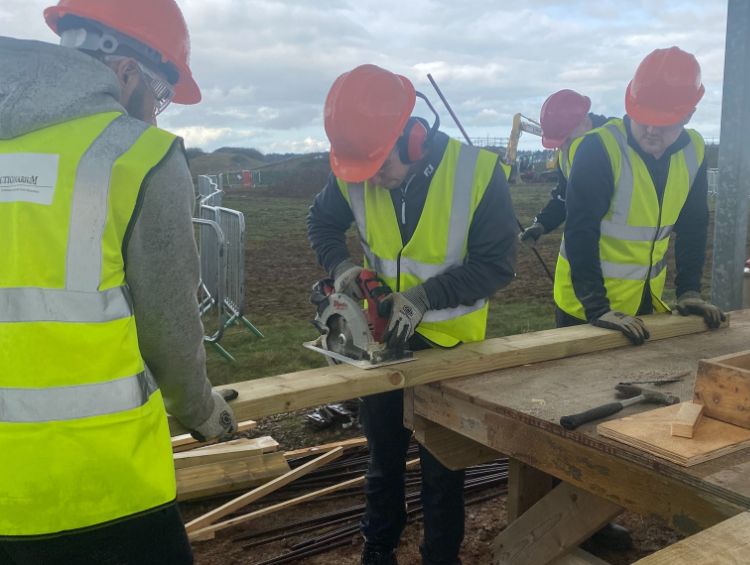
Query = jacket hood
x=42 y=84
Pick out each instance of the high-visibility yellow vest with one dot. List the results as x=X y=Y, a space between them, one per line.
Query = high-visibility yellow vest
x=83 y=429
x=563 y=160
x=635 y=231
x=440 y=239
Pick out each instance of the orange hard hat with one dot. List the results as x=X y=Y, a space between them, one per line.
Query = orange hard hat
x=365 y=113
x=157 y=24
x=665 y=89
x=561 y=114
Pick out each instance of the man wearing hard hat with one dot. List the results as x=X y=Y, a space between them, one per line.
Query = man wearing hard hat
x=564 y=118
x=96 y=335
x=436 y=223
x=632 y=183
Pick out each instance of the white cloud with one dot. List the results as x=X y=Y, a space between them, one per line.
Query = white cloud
x=265 y=66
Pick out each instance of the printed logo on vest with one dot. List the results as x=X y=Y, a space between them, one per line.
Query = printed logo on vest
x=28 y=177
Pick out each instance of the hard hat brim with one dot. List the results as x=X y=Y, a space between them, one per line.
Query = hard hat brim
x=349 y=170
x=550 y=143
x=651 y=117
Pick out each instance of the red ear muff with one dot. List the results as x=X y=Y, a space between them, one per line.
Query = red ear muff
x=411 y=144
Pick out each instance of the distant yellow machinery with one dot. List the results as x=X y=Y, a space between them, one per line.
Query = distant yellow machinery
x=522 y=124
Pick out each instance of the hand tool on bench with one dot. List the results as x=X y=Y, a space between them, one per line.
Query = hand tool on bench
x=631 y=394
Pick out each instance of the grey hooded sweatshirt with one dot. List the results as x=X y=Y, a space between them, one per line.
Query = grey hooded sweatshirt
x=42 y=85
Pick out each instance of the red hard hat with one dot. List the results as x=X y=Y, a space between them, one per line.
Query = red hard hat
x=665 y=89
x=365 y=113
x=158 y=24
x=561 y=114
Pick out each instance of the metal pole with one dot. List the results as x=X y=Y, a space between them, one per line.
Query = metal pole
x=730 y=219
x=468 y=140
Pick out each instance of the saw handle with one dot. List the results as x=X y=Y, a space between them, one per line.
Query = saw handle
x=375 y=292
x=573 y=421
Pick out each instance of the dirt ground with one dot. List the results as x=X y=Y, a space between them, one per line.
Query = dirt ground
x=288 y=267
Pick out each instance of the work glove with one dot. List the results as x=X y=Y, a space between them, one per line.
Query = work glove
x=407 y=309
x=633 y=328
x=345 y=279
x=691 y=302
x=221 y=423
x=531 y=235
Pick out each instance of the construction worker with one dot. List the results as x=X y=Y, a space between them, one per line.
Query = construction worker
x=633 y=182
x=436 y=223
x=564 y=117
x=98 y=312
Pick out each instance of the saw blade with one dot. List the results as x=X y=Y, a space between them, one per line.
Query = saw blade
x=347 y=331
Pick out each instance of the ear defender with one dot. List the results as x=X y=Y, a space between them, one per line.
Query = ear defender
x=411 y=144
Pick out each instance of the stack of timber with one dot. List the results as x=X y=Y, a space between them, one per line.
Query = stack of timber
x=204 y=470
x=313 y=387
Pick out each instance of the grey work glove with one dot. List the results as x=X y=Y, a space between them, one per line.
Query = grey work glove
x=691 y=302
x=633 y=328
x=221 y=423
x=345 y=279
x=531 y=235
x=407 y=309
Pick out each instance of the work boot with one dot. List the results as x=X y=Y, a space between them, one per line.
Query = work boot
x=614 y=537
x=374 y=555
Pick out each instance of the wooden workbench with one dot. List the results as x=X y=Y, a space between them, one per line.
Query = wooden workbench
x=516 y=411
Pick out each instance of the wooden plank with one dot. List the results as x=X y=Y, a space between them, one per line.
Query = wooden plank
x=526 y=486
x=220 y=452
x=686 y=419
x=727 y=543
x=650 y=432
x=345 y=444
x=578 y=557
x=264 y=444
x=229 y=476
x=209 y=532
x=686 y=504
x=723 y=386
x=553 y=526
x=249 y=497
x=312 y=387
x=185 y=441
x=450 y=448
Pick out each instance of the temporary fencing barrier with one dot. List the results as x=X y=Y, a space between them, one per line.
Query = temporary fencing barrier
x=221 y=243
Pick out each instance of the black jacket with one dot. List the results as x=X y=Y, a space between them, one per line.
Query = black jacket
x=553 y=213
x=590 y=190
x=491 y=255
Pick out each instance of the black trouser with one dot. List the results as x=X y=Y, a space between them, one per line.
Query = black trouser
x=154 y=538
x=442 y=489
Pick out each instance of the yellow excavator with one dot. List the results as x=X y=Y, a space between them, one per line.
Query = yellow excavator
x=522 y=124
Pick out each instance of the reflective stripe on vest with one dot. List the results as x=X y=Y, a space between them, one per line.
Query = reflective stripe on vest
x=563 y=160
x=71 y=402
x=56 y=305
x=455 y=190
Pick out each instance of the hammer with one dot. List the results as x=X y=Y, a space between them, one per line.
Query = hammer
x=631 y=394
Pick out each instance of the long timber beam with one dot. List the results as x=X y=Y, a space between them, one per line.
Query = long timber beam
x=312 y=387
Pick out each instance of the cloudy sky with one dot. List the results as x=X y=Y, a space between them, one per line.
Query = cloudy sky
x=265 y=66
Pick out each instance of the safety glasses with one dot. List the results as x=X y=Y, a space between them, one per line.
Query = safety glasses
x=163 y=91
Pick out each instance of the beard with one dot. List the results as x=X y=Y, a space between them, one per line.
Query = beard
x=136 y=107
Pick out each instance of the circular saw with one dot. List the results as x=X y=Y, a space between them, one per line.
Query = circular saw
x=349 y=333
